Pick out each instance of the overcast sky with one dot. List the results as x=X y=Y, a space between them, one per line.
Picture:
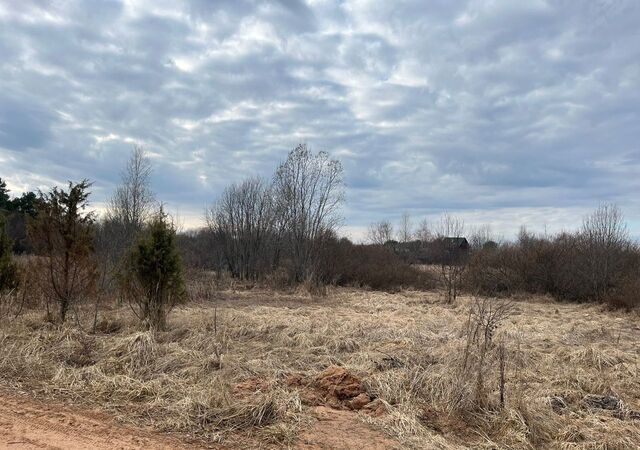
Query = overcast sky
x=503 y=112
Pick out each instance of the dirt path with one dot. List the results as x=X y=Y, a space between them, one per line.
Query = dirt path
x=28 y=424
x=341 y=430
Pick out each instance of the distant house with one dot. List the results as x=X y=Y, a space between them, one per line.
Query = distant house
x=452 y=249
x=456 y=243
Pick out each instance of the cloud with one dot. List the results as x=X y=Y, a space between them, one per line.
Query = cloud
x=499 y=111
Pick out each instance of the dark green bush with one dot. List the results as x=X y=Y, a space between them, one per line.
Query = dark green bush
x=8 y=268
x=154 y=282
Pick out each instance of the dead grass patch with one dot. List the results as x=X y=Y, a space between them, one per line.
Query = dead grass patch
x=405 y=347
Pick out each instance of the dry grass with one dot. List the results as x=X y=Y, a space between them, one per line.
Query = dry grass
x=407 y=348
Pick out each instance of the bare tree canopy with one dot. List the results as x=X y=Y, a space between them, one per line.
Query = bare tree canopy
x=449 y=226
x=130 y=208
x=452 y=259
x=132 y=203
x=309 y=190
x=380 y=233
x=606 y=227
x=424 y=233
x=480 y=236
x=405 y=232
x=243 y=220
x=604 y=234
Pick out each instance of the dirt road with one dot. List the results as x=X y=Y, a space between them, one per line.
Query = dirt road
x=28 y=424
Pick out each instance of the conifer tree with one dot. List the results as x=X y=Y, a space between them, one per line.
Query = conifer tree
x=8 y=268
x=154 y=281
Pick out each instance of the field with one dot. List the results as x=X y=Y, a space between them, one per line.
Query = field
x=249 y=368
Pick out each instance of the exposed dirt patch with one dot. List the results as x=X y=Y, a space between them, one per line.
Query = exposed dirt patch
x=336 y=429
x=335 y=387
x=339 y=383
x=249 y=386
x=28 y=424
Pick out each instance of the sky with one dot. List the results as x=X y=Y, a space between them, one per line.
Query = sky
x=500 y=112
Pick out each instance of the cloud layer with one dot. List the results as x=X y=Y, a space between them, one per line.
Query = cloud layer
x=503 y=112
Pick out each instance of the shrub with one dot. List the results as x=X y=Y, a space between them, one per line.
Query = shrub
x=154 y=281
x=490 y=272
x=63 y=234
x=482 y=356
x=626 y=295
x=587 y=265
x=375 y=266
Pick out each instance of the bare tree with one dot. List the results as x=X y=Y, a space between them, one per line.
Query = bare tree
x=243 y=220
x=481 y=355
x=480 y=236
x=452 y=258
x=380 y=233
x=605 y=236
x=309 y=191
x=132 y=203
x=130 y=207
x=424 y=233
x=404 y=229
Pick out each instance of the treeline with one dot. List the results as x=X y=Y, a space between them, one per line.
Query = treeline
x=14 y=213
x=283 y=230
x=598 y=262
x=76 y=260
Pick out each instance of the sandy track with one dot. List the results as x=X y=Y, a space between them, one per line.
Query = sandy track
x=29 y=424
x=341 y=430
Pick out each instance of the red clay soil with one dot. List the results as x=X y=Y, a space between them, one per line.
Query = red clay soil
x=26 y=423
x=341 y=430
x=29 y=424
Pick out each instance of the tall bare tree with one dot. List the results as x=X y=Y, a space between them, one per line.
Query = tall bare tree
x=132 y=203
x=480 y=236
x=130 y=207
x=243 y=220
x=405 y=232
x=424 y=233
x=452 y=259
x=380 y=232
x=309 y=191
x=605 y=237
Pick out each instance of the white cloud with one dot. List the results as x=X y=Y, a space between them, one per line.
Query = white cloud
x=501 y=111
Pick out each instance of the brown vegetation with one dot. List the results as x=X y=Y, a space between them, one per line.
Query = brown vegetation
x=370 y=266
x=254 y=366
x=281 y=329
x=596 y=263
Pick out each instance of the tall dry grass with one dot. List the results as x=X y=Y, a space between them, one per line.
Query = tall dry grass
x=408 y=348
